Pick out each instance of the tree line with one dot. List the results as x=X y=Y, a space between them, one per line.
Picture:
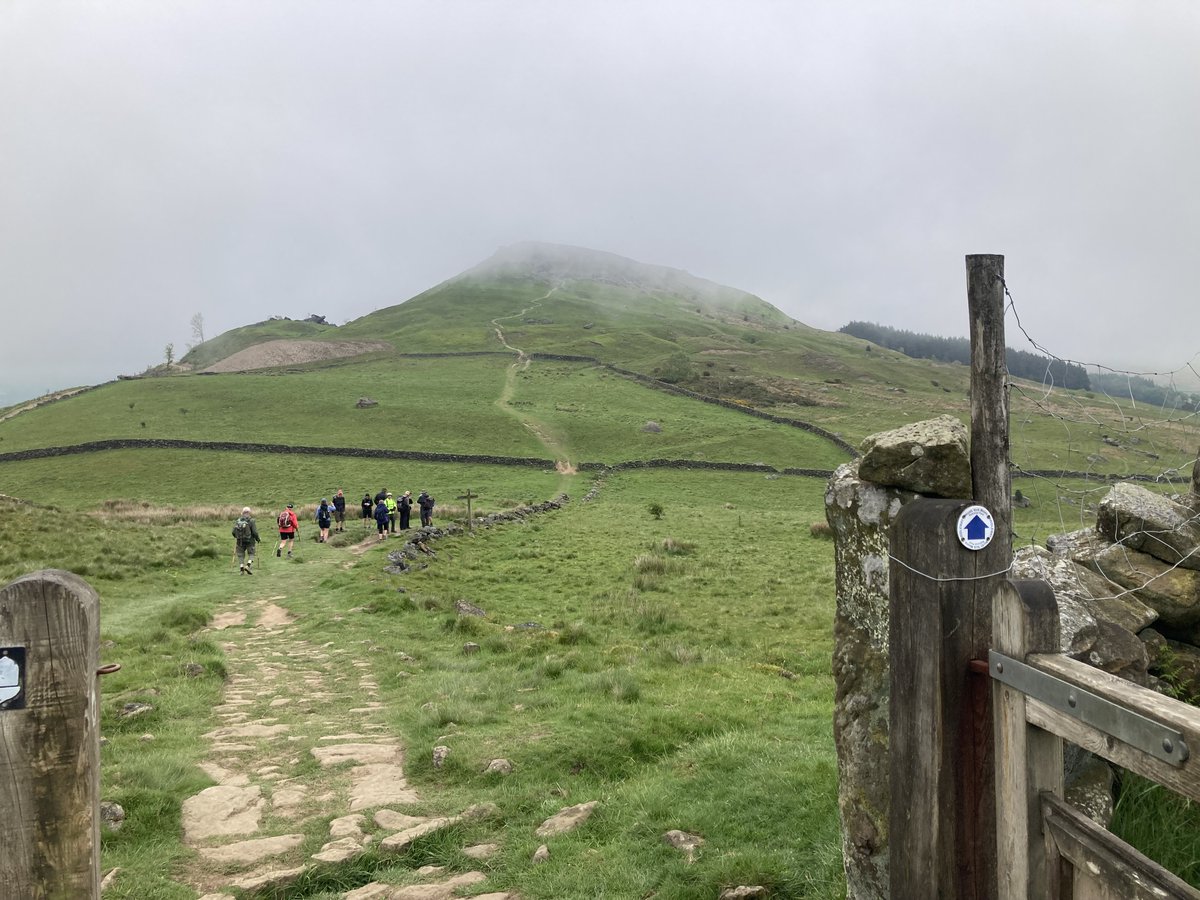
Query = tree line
x=1021 y=363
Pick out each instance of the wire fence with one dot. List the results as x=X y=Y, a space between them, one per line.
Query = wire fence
x=1069 y=447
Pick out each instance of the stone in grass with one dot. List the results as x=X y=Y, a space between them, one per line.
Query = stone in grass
x=440 y=755
x=652 y=427
x=567 y=819
x=481 y=851
x=465 y=608
x=112 y=815
x=541 y=854
x=470 y=647
x=130 y=710
x=499 y=767
x=743 y=892
x=684 y=841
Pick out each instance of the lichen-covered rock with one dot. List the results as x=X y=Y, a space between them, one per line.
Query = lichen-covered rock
x=1172 y=592
x=1077 y=544
x=860 y=514
x=1096 y=627
x=929 y=457
x=1140 y=519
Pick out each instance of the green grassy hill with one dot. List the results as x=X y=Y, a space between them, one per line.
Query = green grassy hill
x=662 y=646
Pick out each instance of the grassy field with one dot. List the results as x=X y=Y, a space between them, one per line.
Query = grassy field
x=663 y=649
x=442 y=405
x=652 y=682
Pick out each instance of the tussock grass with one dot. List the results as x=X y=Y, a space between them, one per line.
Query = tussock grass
x=821 y=530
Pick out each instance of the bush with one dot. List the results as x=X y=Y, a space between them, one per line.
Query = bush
x=821 y=530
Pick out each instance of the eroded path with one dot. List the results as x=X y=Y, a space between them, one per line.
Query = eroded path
x=302 y=742
x=554 y=441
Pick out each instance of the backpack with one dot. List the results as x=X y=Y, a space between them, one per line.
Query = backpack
x=323 y=516
x=242 y=531
x=285 y=520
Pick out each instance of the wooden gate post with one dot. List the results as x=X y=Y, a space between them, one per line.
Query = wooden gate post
x=942 y=820
x=50 y=738
x=943 y=805
x=1028 y=760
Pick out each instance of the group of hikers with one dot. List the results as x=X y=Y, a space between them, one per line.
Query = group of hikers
x=383 y=508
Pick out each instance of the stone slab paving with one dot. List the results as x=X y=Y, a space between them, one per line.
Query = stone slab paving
x=286 y=702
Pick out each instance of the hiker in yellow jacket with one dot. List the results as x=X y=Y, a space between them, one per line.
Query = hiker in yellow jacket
x=390 y=502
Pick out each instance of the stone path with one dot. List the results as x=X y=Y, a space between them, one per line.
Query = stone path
x=289 y=703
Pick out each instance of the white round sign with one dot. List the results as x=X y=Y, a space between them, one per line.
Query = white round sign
x=975 y=527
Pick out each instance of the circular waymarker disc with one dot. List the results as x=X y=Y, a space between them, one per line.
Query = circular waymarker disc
x=975 y=527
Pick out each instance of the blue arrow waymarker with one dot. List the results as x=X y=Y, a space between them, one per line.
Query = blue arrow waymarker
x=975 y=527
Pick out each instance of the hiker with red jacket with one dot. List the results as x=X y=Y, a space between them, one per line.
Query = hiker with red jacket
x=289 y=525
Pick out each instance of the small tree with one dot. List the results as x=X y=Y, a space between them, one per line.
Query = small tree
x=170 y=353
x=656 y=510
x=198 y=328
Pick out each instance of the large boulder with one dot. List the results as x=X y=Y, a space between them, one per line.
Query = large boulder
x=860 y=514
x=1097 y=627
x=929 y=457
x=1142 y=520
x=1172 y=592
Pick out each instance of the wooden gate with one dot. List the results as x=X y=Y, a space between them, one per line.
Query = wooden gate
x=1046 y=848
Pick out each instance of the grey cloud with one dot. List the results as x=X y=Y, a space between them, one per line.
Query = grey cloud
x=252 y=159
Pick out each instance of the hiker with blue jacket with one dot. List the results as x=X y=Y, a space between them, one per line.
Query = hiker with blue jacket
x=245 y=533
x=381 y=519
x=324 y=520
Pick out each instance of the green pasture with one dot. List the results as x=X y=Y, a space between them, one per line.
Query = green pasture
x=264 y=481
x=440 y=405
x=674 y=668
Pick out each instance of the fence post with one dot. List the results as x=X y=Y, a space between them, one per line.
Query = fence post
x=50 y=739
x=941 y=824
x=1028 y=760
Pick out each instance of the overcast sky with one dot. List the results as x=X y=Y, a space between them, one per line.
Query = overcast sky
x=252 y=158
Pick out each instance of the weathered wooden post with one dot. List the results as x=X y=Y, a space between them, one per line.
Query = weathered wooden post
x=949 y=558
x=49 y=738
x=468 y=496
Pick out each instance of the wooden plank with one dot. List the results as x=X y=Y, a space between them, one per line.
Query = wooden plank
x=1185 y=718
x=1029 y=761
x=1105 y=867
x=941 y=821
x=50 y=749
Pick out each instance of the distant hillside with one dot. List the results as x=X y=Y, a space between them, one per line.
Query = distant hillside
x=1021 y=363
x=225 y=345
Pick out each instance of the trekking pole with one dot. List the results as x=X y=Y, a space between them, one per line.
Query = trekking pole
x=233 y=558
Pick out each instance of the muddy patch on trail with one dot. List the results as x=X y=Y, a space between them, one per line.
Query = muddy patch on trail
x=227 y=620
x=273 y=616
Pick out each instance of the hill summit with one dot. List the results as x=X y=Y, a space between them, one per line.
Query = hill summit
x=562 y=263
